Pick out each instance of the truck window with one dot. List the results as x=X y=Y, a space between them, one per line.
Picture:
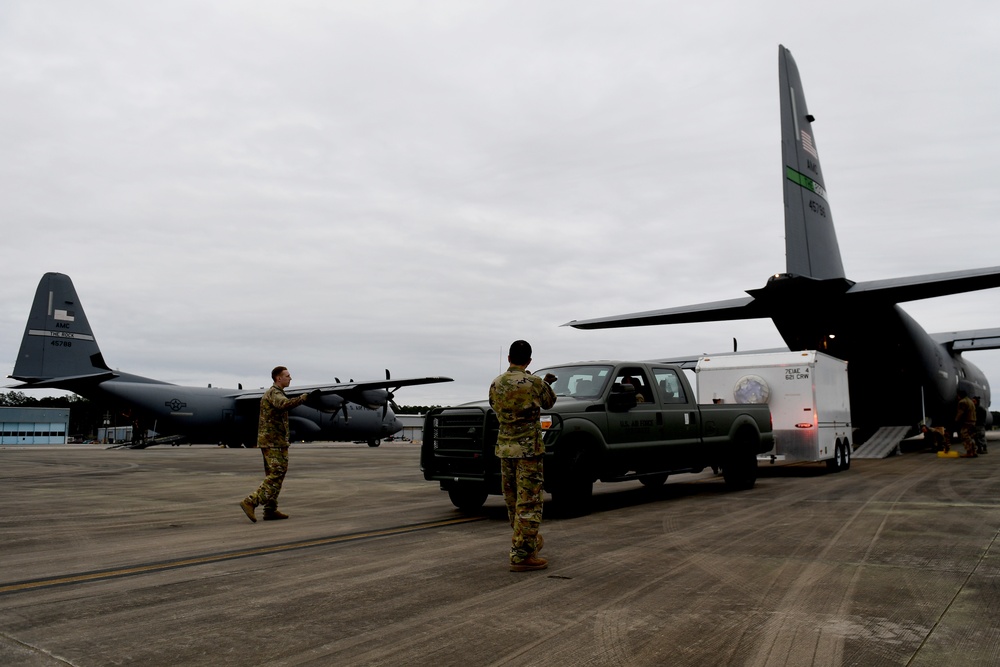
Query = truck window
x=670 y=385
x=578 y=381
x=637 y=378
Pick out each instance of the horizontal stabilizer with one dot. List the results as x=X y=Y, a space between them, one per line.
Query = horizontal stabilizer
x=714 y=311
x=62 y=382
x=929 y=286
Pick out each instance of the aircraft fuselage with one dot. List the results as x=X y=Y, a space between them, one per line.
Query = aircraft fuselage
x=213 y=415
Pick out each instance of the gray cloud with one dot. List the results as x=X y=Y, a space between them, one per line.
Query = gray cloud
x=344 y=187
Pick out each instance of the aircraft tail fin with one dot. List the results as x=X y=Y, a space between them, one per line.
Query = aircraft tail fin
x=58 y=345
x=811 y=247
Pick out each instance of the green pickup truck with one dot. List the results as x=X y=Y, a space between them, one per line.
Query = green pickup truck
x=613 y=421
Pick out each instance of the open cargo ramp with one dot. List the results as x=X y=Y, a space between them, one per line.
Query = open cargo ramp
x=884 y=442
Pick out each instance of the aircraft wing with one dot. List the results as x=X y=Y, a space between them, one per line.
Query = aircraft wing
x=345 y=389
x=972 y=339
x=690 y=361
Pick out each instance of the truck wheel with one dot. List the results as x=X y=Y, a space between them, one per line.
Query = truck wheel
x=653 y=481
x=469 y=497
x=574 y=489
x=740 y=471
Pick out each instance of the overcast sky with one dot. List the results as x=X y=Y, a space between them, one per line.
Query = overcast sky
x=343 y=187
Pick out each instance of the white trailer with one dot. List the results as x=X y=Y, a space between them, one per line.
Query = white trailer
x=806 y=391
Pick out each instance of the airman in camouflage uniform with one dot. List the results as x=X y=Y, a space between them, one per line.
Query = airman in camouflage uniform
x=965 y=420
x=272 y=438
x=518 y=397
x=981 y=414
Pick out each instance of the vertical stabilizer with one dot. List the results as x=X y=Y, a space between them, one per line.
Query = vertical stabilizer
x=811 y=247
x=57 y=342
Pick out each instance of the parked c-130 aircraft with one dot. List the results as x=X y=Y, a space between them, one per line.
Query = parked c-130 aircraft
x=59 y=351
x=899 y=374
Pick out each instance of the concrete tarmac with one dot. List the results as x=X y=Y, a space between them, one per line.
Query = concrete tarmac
x=123 y=557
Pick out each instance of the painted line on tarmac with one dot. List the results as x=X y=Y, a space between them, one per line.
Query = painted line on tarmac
x=115 y=573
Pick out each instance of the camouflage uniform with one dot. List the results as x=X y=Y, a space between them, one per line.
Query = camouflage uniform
x=272 y=438
x=938 y=439
x=981 y=415
x=965 y=419
x=518 y=397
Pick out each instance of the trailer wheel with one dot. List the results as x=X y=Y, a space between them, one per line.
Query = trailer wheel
x=468 y=497
x=847 y=455
x=836 y=464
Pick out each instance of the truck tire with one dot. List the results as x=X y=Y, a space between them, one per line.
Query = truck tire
x=740 y=470
x=653 y=481
x=468 y=497
x=574 y=484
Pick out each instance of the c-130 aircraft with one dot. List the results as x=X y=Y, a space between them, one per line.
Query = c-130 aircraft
x=898 y=373
x=59 y=351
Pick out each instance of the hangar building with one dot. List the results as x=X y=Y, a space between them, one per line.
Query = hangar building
x=33 y=426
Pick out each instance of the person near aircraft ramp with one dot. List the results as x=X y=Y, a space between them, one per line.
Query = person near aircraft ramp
x=272 y=439
x=981 y=414
x=518 y=397
x=965 y=420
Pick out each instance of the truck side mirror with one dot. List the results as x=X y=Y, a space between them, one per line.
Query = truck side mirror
x=622 y=398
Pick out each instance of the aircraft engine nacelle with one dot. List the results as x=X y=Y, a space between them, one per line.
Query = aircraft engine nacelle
x=302 y=428
x=373 y=398
x=327 y=403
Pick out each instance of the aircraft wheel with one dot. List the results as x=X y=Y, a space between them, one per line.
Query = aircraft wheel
x=374 y=443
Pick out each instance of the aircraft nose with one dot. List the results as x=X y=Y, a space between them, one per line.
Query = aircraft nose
x=391 y=425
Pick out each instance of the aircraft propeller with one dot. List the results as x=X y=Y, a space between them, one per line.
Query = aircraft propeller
x=389 y=398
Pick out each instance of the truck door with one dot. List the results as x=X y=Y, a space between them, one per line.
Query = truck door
x=641 y=424
x=680 y=416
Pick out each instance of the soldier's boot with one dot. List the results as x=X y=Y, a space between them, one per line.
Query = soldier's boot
x=274 y=514
x=248 y=508
x=528 y=564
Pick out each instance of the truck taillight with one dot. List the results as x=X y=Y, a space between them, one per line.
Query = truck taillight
x=546 y=422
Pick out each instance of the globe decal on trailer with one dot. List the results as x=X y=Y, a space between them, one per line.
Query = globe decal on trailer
x=751 y=389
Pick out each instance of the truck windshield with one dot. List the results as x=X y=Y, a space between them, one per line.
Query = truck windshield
x=578 y=381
